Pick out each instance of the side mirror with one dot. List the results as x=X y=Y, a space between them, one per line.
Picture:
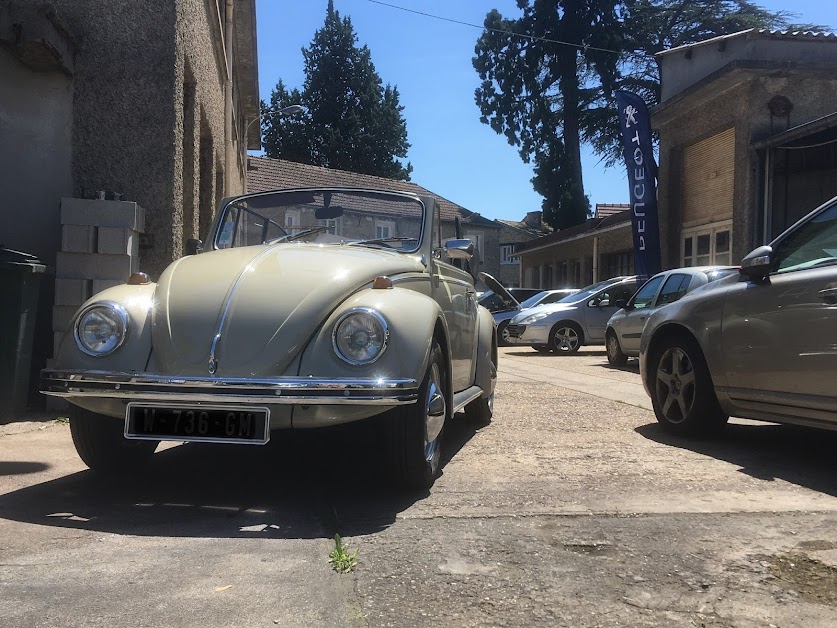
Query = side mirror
x=758 y=264
x=459 y=249
x=193 y=246
x=621 y=303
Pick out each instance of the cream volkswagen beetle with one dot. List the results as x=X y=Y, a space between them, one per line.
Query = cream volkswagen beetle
x=308 y=308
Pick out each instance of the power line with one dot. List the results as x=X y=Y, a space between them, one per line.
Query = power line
x=581 y=47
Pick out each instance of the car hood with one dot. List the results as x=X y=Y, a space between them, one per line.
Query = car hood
x=499 y=289
x=263 y=303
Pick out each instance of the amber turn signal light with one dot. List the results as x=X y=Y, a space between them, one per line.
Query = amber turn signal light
x=138 y=279
x=381 y=283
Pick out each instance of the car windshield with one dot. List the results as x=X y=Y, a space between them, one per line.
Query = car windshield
x=325 y=216
x=586 y=293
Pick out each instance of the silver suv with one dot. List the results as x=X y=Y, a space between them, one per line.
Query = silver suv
x=762 y=345
x=576 y=320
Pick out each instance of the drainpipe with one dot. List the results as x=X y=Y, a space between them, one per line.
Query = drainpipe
x=229 y=153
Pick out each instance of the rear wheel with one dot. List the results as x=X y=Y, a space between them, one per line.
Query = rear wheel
x=683 y=394
x=614 y=352
x=414 y=432
x=566 y=337
x=101 y=444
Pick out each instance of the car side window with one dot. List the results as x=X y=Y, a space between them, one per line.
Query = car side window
x=645 y=295
x=813 y=244
x=609 y=297
x=674 y=288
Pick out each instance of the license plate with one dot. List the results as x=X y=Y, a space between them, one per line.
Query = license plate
x=214 y=424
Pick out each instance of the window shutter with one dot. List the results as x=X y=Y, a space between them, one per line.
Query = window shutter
x=707 y=180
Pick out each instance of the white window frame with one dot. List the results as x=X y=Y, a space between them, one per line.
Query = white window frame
x=507 y=255
x=292 y=218
x=711 y=230
x=388 y=225
x=332 y=224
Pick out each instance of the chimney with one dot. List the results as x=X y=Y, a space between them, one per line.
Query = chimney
x=534 y=220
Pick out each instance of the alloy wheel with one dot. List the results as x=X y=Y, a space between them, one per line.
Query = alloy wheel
x=675 y=384
x=566 y=339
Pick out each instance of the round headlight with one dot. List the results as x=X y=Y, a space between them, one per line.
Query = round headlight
x=360 y=336
x=101 y=328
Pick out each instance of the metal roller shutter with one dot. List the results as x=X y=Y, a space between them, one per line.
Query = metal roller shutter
x=707 y=180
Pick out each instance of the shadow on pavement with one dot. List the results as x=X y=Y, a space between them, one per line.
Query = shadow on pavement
x=632 y=366
x=300 y=485
x=801 y=456
x=21 y=468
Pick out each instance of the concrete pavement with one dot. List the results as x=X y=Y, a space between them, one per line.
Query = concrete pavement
x=571 y=508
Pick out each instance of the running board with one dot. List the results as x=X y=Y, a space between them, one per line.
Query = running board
x=464 y=397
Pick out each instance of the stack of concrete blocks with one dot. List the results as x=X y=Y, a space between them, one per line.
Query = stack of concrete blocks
x=99 y=249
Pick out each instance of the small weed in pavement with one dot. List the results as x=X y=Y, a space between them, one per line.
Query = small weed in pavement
x=340 y=558
x=62 y=420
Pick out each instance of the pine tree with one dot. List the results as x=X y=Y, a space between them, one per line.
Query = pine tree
x=351 y=122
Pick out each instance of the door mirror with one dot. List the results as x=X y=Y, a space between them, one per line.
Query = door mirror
x=620 y=303
x=193 y=246
x=759 y=263
x=459 y=249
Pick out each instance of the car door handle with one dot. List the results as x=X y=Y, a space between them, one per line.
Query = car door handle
x=829 y=295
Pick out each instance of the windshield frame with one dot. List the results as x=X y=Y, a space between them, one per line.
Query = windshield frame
x=229 y=202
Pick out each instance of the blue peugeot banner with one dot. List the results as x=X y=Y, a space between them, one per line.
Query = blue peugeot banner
x=642 y=178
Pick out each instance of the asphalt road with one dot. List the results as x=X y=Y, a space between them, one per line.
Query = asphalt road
x=570 y=509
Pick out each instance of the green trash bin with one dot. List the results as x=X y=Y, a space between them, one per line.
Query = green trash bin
x=20 y=284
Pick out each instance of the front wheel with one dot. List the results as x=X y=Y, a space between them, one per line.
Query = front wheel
x=683 y=394
x=481 y=409
x=414 y=432
x=566 y=338
x=503 y=338
x=101 y=444
x=615 y=356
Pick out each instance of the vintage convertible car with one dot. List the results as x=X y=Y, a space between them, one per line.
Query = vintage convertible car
x=306 y=308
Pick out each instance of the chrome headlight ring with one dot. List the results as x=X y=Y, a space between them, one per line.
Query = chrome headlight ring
x=359 y=331
x=109 y=313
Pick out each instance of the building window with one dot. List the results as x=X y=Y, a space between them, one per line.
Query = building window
x=384 y=228
x=707 y=246
x=616 y=265
x=507 y=254
x=292 y=218
x=330 y=225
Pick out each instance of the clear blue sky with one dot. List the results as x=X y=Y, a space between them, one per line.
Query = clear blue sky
x=452 y=152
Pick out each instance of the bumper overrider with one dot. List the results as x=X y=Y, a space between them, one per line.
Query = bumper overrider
x=282 y=390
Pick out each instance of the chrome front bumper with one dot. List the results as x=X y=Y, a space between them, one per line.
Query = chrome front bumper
x=282 y=390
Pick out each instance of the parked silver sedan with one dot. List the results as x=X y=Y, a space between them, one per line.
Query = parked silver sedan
x=576 y=320
x=759 y=346
x=514 y=306
x=624 y=328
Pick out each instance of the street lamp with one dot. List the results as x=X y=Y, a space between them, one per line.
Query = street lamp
x=284 y=111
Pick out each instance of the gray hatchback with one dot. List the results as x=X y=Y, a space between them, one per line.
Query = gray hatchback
x=762 y=345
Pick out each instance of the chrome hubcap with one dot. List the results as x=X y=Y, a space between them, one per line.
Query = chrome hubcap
x=435 y=411
x=566 y=339
x=675 y=384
